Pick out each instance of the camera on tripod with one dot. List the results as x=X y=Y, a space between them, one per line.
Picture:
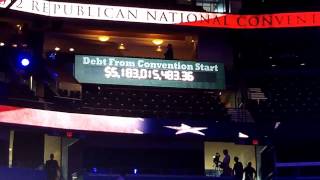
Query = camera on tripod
x=216 y=160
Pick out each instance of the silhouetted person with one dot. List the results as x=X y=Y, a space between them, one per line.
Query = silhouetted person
x=169 y=53
x=225 y=165
x=249 y=171
x=238 y=169
x=52 y=168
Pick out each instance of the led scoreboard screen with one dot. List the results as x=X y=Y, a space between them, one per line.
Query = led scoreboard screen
x=148 y=72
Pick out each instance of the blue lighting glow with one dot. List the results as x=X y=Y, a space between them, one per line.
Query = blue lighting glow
x=55 y=75
x=52 y=56
x=135 y=171
x=94 y=170
x=25 y=62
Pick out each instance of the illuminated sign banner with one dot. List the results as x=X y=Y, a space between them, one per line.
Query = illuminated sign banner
x=148 y=72
x=74 y=121
x=158 y=16
x=113 y=124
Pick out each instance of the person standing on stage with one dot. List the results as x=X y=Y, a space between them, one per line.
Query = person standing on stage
x=225 y=165
x=249 y=171
x=52 y=168
x=238 y=169
x=169 y=53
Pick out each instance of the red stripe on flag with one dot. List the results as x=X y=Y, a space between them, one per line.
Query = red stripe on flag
x=8 y=108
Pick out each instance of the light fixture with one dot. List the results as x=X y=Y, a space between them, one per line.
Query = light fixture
x=24 y=45
x=193 y=41
x=71 y=49
x=19 y=27
x=277 y=124
x=302 y=64
x=157 y=42
x=121 y=46
x=57 y=49
x=103 y=38
x=159 y=49
x=25 y=62
x=270 y=57
x=2 y=44
x=243 y=136
x=273 y=65
x=14 y=45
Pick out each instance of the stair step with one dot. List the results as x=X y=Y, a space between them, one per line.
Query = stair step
x=240 y=115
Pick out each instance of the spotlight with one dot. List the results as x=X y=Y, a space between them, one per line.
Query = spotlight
x=276 y=126
x=57 y=49
x=121 y=47
x=71 y=49
x=242 y=135
x=14 y=45
x=103 y=38
x=25 y=62
x=2 y=44
x=19 y=27
x=157 y=42
x=159 y=49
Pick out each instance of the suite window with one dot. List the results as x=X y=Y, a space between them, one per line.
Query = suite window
x=218 y=6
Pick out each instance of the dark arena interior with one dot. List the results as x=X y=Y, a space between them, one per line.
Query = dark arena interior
x=159 y=90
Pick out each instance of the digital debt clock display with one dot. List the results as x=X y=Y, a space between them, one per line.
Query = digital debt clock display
x=148 y=72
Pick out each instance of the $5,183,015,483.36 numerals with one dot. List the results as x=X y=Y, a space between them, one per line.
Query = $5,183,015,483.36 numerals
x=148 y=74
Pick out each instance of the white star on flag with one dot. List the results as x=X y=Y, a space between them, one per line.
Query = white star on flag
x=183 y=128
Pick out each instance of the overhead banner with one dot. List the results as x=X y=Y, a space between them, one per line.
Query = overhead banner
x=114 y=124
x=70 y=121
x=159 y=16
x=148 y=72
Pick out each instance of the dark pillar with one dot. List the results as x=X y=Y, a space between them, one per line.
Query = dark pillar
x=4 y=147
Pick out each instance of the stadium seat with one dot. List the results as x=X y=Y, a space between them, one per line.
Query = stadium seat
x=155 y=103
